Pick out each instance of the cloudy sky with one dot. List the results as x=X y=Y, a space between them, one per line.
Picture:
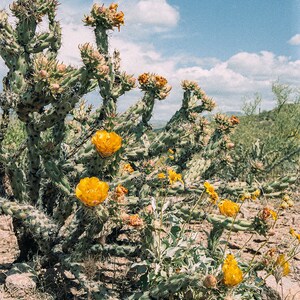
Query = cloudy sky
x=232 y=48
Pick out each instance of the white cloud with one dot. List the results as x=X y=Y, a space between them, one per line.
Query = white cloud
x=4 y=4
x=295 y=40
x=74 y=35
x=156 y=12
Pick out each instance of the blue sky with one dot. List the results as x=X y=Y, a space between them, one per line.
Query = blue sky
x=232 y=48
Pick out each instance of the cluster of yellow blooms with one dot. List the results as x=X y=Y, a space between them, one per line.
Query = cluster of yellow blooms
x=284 y=264
x=295 y=234
x=161 y=175
x=107 y=143
x=226 y=207
x=210 y=190
x=233 y=275
x=128 y=168
x=173 y=176
x=91 y=191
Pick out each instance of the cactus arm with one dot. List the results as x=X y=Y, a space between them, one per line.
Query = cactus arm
x=56 y=43
x=34 y=174
x=4 y=124
x=101 y=39
x=42 y=228
x=9 y=47
x=55 y=114
x=40 y=42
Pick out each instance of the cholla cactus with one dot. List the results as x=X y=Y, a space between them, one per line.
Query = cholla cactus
x=76 y=183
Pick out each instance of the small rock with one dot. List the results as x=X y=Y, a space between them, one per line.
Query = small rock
x=20 y=285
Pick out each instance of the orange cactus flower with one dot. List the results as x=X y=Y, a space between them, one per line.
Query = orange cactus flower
x=91 y=191
x=267 y=212
x=135 y=221
x=234 y=120
x=120 y=189
x=107 y=143
x=113 y=6
x=119 y=17
x=160 y=81
x=143 y=79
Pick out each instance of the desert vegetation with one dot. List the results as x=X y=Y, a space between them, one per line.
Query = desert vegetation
x=105 y=207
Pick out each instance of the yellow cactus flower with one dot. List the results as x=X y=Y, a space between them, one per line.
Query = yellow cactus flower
x=295 y=234
x=128 y=168
x=284 y=264
x=273 y=214
x=255 y=194
x=161 y=175
x=171 y=151
x=228 y=208
x=233 y=275
x=210 y=190
x=107 y=143
x=171 y=157
x=91 y=191
x=173 y=176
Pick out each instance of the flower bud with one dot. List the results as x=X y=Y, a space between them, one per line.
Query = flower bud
x=61 y=68
x=43 y=74
x=210 y=281
x=55 y=86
